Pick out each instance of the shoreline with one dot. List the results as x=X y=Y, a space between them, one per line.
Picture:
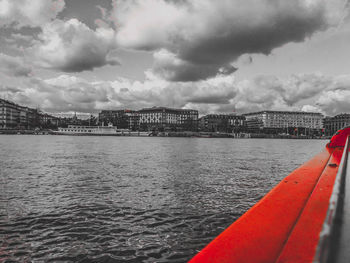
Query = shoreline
x=174 y=134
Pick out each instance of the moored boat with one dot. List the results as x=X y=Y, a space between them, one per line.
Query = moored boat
x=109 y=130
x=87 y=130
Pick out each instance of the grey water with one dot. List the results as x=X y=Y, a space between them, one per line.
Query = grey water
x=131 y=199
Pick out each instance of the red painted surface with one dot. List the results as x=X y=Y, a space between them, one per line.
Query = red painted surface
x=339 y=139
x=302 y=242
x=284 y=226
x=259 y=235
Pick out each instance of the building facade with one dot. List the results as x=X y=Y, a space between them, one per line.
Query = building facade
x=289 y=122
x=14 y=116
x=122 y=119
x=228 y=123
x=48 y=121
x=333 y=124
x=168 y=119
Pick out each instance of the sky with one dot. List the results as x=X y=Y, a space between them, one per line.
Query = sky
x=227 y=56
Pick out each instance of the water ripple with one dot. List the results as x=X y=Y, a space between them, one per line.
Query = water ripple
x=87 y=199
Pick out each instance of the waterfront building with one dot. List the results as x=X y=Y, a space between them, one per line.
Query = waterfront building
x=133 y=120
x=66 y=121
x=162 y=119
x=14 y=116
x=123 y=119
x=229 y=123
x=289 y=122
x=333 y=124
x=49 y=121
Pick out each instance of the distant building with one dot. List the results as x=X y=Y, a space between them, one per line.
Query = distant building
x=229 y=123
x=291 y=122
x=48 y=121
x=64 y=122
x=162 y=119
x=14 y=116
x=133 y=120
x=123 y=119
x=333 y=124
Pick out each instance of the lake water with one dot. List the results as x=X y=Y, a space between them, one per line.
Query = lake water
x=131 y=199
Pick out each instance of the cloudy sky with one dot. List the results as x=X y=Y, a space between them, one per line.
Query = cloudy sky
x=219 y=56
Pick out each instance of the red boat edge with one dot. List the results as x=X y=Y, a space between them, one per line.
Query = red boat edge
x=294 y=222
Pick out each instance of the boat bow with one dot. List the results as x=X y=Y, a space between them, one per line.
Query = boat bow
x=297 y=221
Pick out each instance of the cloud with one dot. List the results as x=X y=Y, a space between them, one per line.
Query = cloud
x=308 y=92
x=71 y=46
x=6 y=89
x=14 y=66
x=335 y=98
x=33 y=13
x=304 y=86
x=22 y=38
x=260 y=93
x=334 y=102
x=197 y=39
x=63 y=94
x=168 y=66
x=69 y=93
x=310 y=108
x=221 y=94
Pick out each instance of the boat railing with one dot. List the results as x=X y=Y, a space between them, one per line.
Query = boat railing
x=329 y=242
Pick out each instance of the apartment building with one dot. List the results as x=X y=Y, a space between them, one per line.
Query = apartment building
x=333 y=124
x=14 y=116
x=222 y=123
x=162 y=118
x=122 y=119
x=285 y=122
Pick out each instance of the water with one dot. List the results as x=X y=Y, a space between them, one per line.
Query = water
x=130 y=199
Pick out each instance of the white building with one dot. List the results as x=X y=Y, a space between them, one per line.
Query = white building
x=284 y=120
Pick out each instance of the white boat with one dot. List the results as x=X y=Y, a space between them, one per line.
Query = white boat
x=109 y=130
x=87 y=130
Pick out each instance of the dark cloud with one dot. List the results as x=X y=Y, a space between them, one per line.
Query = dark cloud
x=86 y=11
x=211 y=100
x=204 y=37
x=124 y=90
x=86 y=59
x=14 y=66
x=292 y=24
x=169 y=67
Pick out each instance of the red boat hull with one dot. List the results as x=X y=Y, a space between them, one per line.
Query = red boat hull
x=285 y=225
